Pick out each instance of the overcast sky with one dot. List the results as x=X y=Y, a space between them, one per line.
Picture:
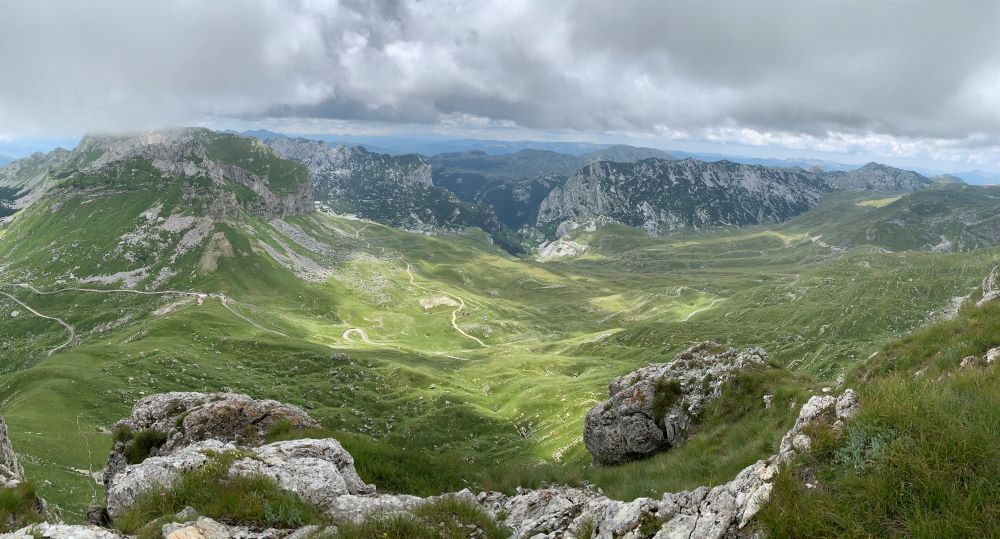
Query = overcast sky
x=913 y=80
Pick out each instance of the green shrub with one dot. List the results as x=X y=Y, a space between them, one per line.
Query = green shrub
x=122 y=433
x=142 y=444
x=667 y=392
x=19 y=507
x=244 y=501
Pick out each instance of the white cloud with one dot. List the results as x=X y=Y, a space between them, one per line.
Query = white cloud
x=914 y=78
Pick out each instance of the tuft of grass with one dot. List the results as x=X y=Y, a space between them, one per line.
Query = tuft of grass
x=19 y=507
x=667 y=392
x=142 y=444
x=920 y=458
x=241 y=501
x=447 y=518
x=122 y=433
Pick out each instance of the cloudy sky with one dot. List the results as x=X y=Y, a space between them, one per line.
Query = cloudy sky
x=908 y=80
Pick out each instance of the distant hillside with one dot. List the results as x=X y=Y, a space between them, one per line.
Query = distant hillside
x=625 y=154
x=946 y=218
x=394 y=190
x=661 y=196
x=878 y=177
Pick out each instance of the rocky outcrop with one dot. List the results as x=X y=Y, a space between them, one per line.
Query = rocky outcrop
x=650 y=409
x=991 y=287
x=706 y=513
x=318 y=471
x=11 y=473
x=186 y=418
x=877 y=177
x=661 y=195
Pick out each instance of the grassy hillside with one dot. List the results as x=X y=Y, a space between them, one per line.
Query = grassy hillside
x=920 y=460
x=440 y=361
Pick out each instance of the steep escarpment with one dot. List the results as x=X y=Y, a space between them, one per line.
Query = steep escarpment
x=660 y=196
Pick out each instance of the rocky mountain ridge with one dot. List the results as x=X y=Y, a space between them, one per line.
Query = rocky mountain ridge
x=661 y=196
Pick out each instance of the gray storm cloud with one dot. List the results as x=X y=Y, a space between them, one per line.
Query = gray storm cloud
x=887 y=74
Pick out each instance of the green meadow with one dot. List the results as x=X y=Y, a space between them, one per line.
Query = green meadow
x=441 y=362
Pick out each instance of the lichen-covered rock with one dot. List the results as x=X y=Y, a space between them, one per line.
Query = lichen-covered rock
x=187 y=418
x=46 y=530
x=651 y=409
x=157 y=472
x=207 y=528
x=11 y=473
x=719 y=512
x=991 y=287
x=318 y=471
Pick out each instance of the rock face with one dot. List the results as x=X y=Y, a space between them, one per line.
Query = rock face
x=11 y=473
x=877 y=177
x=650 y=409
x=661 y=196
x=187 y=418
x=991 y=287
x=706 y=513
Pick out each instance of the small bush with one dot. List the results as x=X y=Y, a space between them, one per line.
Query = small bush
x=142 y=445
x=122 y=433
x=667 y=392
x=19 y=507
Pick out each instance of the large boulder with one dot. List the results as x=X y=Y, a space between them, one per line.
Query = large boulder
x=718 y=512
x=11 y=473
x=185 y=418
x=651 y=409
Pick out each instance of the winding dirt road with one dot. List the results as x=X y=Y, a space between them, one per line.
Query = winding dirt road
x=454 y=314
x=69 y=328
x=705 y=308
x=223 y=300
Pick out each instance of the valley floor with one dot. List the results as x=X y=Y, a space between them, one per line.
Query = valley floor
x=441 y=361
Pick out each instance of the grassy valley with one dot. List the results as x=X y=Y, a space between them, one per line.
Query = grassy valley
x=439 y=361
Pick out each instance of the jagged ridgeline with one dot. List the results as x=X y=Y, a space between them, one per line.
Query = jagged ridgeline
x=394 y=190
x=661 y=196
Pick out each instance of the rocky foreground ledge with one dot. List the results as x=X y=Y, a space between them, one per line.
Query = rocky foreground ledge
x=173 y=433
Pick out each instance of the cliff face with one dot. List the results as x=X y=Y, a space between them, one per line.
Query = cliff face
x=660 y=196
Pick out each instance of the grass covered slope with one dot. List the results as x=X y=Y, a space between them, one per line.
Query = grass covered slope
x=920 y=459
x=440 y=362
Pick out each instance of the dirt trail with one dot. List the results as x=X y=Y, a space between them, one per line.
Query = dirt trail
x=69 y=328
x=705 y=308
x=223 y=299
x=358 y=331
x=454 y=314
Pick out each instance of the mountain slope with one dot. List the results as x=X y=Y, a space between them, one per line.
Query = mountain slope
x=661 y=196
x=625 y=154
x=397 y=191
x=878 y=177
x=943 y=218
